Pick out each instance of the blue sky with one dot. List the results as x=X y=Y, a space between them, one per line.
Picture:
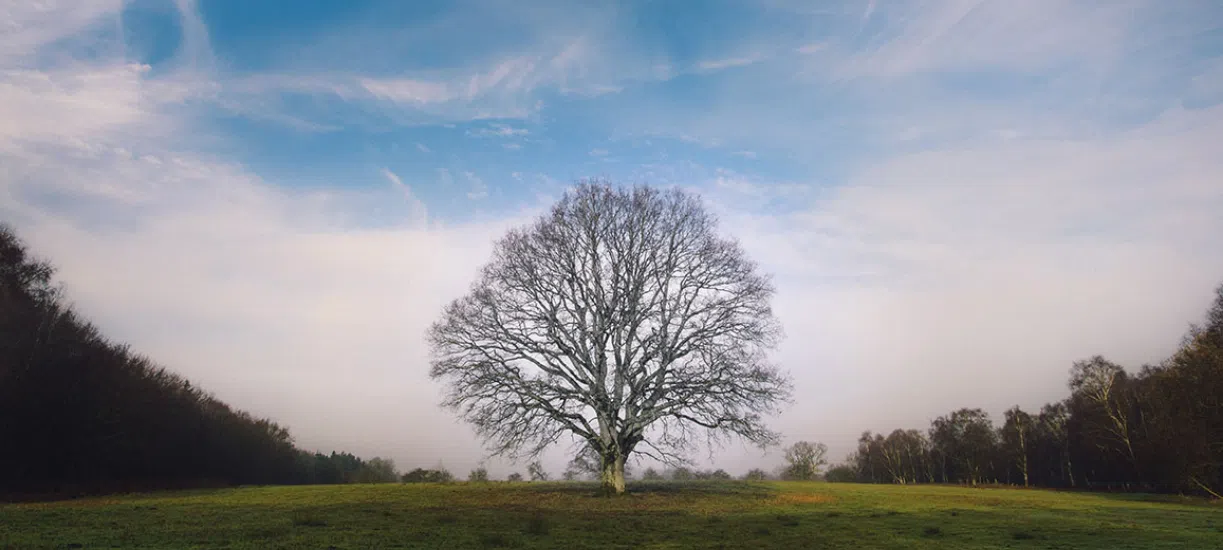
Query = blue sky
x=957 y=198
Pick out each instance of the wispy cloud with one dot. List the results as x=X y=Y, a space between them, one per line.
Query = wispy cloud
x=417 y=211
x=811 y=48
x=599 y=152
x=959 y=35
x=444 y=177
x=479 y=190
x=728 y=63
x=29 y=27
x=498 y=130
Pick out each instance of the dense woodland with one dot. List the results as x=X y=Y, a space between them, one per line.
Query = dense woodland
x=1159 y=429
x=80 y=413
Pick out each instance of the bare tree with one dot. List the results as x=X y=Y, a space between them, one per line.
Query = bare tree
x=804 y=459
x=1101 y=383
x=537 y=472
x=1017 y=440
x=620 y=318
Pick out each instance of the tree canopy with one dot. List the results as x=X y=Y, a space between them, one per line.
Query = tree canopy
x=620 y=318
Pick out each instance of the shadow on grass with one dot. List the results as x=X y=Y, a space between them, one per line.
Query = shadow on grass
x=1154 y=498
x=742 y=488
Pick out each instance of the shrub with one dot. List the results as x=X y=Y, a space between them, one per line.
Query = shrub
x=421 y=475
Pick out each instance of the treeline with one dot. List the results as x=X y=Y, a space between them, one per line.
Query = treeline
x=80 y=413
x=1159 y=429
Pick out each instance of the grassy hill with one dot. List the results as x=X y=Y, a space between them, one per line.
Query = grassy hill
x=661 y=515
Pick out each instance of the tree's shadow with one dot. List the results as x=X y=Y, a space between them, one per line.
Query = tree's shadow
x=745 y=488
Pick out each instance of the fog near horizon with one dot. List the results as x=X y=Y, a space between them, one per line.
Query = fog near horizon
x=956 y=245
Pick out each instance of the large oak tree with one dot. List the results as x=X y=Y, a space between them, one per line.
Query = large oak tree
x=621 y=318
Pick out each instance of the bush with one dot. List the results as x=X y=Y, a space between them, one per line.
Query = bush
x=650 y=474
x=755 y=474
x=841 y=474
x=421 y=475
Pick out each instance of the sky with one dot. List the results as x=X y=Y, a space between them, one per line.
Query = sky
x=956 y=199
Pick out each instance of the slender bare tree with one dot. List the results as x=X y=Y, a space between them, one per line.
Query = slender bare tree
x=1016 y=439
x=621 y=318
x=1102 y=384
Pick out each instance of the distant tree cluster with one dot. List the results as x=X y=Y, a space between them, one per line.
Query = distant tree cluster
x=1160 y=429
x=80 y=413
x=434 y=475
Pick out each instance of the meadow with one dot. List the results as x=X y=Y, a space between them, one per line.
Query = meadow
x=654 y=515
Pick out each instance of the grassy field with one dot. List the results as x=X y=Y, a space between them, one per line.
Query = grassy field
x=663 y=515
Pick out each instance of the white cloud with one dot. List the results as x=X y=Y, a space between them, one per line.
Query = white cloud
x=423 y=148
x=512 y=146
x=975 y=276
x=728 y=63
x=478 y=189
x=405 y=90
x=27 y=27
x=809 y=49
x=261 y=294
x=599 y=152
x=962 y=34
x=745 y=154
x=444 y=177
x=501 y=88
x=498 y=130
x=418 y=212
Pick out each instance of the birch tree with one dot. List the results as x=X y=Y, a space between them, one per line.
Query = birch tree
x=1017 y=439
x=1101 y=384
x=622 y=319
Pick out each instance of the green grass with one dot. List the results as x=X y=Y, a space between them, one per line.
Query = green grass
x=660 y=515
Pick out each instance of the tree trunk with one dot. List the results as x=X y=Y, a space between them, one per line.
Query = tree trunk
x=613 y=476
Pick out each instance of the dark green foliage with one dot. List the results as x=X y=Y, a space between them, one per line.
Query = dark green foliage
x=377 y=470
x=709 y=475
x=1154 y=430
x=82 y=414
x=841 y=473
x=90 y=415
x=421 y=475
